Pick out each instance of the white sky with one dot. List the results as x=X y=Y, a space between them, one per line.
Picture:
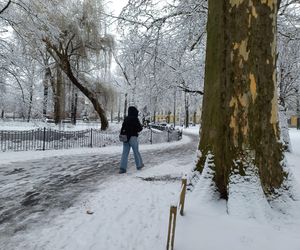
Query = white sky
x=115 y=5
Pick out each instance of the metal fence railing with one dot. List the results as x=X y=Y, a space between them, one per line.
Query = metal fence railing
x=45 y=138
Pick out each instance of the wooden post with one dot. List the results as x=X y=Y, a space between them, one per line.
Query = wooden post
x=182 y=195
x=91 y=138
x=44 y=138
x=171 y=231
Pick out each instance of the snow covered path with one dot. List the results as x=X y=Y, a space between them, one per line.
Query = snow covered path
x=59 y=190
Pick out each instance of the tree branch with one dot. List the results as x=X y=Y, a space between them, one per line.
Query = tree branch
x=122 y=69
x=5 y=7
x=187 y=90
x=197 y=41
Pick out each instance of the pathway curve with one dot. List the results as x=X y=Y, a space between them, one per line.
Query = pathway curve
x=30 y=191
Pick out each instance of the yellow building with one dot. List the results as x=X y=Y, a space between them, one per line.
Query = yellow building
x=293 y=121
x=163 y=116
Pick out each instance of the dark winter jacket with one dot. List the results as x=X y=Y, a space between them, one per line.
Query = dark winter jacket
x=131 y=125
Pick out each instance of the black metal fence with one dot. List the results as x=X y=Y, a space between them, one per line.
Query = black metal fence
x=45 y=139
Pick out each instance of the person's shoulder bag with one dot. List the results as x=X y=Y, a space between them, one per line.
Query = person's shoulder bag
x=123 y=138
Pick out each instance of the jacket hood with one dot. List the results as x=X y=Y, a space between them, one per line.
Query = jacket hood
x=132 y=111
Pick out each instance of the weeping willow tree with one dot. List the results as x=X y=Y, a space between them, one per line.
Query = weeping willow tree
x=239 y=117
x=73 y=33
x=82 y=41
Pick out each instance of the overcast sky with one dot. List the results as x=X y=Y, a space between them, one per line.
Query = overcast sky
x=115 y=5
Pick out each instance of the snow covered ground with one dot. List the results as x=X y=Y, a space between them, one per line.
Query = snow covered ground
x=247 y=221
x=22 y=125
x=45 y=197
x=131 y=211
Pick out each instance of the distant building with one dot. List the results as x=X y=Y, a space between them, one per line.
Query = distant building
x=292 y=121
x=168 y=116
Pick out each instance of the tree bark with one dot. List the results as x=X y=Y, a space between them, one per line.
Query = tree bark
x=125 y=106
x=30 y=103
x=186 y=107
x=46 y=90
x=239 y=115
x=174 y=109
x=74 y=103
x=119 y=109
x=58 y=96
x=195 y=118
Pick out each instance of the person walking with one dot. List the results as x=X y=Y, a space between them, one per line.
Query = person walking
x=131 y=127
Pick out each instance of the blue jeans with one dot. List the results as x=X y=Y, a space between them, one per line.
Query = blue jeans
x=134 y=144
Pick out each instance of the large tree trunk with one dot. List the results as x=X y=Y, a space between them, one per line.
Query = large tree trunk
x=239 y=117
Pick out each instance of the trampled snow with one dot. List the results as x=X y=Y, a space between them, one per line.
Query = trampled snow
x=131 y=211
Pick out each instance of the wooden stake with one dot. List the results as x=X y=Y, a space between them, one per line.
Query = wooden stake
x=182 y=195
x=172 y=224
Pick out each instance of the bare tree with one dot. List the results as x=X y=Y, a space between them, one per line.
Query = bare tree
x=164 y=51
